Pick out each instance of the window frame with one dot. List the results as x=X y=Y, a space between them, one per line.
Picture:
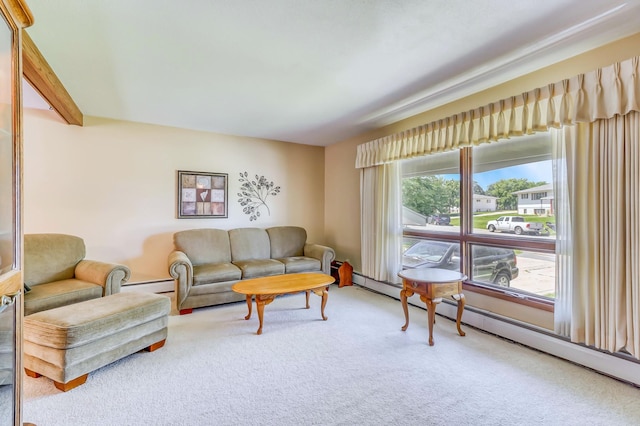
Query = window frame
x=466 y=237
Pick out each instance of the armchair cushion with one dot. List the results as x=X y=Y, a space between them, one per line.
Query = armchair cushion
x=47 y=296
x=51 y=257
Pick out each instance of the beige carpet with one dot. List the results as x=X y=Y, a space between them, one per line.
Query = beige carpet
x=357 y=368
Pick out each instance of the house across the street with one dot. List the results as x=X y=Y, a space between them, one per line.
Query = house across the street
x=537 y=200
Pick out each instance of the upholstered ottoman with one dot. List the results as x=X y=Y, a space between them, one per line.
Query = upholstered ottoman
x=65 y=344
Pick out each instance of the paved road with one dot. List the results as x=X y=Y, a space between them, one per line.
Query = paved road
x=537 y=273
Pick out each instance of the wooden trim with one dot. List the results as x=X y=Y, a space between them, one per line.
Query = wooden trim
x=11 y=282
x=21 y=12
x=40 y=75
x=545 y=305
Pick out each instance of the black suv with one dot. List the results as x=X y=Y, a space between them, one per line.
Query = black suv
x=439 y=219
x=490 y=264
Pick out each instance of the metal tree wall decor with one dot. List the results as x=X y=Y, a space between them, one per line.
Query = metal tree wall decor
x=254 y=193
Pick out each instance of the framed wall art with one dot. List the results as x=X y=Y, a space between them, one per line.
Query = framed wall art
x=202 y=195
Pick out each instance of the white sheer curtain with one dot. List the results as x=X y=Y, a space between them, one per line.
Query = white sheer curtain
x=381 y=212
x=604 y=188
x=564 y=240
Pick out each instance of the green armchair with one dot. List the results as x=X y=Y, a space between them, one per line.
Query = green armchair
x=57 y=274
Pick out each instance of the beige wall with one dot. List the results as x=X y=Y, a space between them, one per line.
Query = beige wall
x=114 y=184
x=342 y=190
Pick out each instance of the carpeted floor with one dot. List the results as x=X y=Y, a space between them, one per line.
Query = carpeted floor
x=357 y=368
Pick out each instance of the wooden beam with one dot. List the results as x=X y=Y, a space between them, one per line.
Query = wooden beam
x=40 y=75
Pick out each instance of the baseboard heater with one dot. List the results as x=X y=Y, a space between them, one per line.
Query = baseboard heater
x=617 y=366
x=151 y=286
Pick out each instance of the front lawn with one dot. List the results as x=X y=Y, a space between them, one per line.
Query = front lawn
x=480 y=219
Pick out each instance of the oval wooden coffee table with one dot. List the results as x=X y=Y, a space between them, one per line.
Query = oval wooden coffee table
x=265 y=289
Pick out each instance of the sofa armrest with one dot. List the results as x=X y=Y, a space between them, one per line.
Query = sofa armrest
x=324 y=254
x=181 y=269
x=110 y=276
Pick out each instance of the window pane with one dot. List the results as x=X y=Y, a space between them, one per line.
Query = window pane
x=422 y=253
x=431 y=192
x=528 y=271
x=513 y=187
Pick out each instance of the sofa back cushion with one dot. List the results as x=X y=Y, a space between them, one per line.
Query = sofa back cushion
x=249 y=244
x=287 y=241
x=204 y=246
x=51 y=257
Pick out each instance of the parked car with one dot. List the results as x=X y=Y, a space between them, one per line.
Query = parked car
x=439 y=219
x=490 y=264
x=515 y=224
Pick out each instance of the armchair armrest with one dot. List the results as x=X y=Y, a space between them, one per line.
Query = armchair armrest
x=181 y=269
x=324 y=254
x=110 y=276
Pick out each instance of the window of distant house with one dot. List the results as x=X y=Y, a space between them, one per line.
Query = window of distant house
x=507 y=247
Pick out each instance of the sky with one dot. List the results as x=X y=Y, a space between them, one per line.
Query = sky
x=534 y=172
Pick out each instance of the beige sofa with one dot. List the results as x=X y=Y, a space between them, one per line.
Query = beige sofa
x=207 y=262
x=57 y=274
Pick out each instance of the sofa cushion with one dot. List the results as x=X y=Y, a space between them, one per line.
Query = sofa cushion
x=215 y=273
x=287 y=241
x=249 y=244
x=260 y=267
x=59 y=293
x=51 y=257
x=300 y=264
x=204 y=245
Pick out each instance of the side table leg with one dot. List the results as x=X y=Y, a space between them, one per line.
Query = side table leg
x=404 y=294
x=248 y=306
x=431 y=312
x=461 y=303
x=307 y=295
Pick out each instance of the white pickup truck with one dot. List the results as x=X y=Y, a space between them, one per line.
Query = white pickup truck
x=515 y=224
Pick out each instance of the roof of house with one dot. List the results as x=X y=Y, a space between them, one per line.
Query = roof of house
x=541 y=188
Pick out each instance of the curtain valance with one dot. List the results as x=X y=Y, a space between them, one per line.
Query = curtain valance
x=587 y=97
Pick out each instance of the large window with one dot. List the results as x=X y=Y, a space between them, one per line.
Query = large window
x=499 y=224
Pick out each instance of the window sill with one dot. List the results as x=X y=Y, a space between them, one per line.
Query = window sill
x=519 y=298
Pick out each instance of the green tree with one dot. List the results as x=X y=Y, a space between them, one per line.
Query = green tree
x=430 y=194
x=477 y=189
x=504 y=189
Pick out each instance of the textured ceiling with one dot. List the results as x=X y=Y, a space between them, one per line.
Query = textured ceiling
x=306 y=71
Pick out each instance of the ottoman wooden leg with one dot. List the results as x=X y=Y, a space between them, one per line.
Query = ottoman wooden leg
x=32 y=373
x=72 y=383
x=155 y=346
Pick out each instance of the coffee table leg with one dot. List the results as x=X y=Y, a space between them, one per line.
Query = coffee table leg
x=324 y=293
x=262 y=300
x=248 y=306
x=307 y=295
